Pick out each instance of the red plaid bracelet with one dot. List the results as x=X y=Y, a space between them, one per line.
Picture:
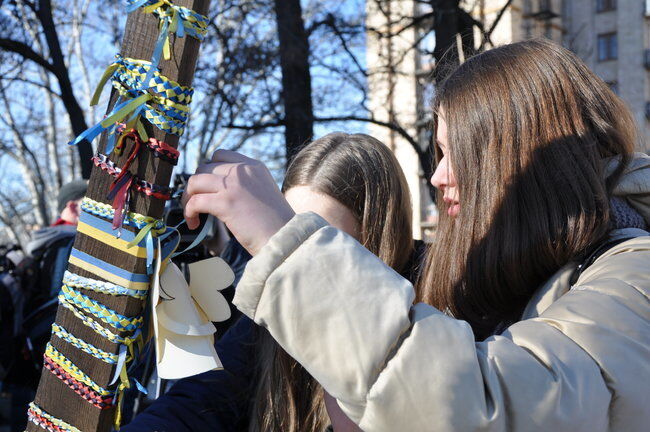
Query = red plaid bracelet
x=161 y=192
x=163 y=150
x=160 y=149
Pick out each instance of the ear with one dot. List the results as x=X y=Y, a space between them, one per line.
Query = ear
x=72 y=206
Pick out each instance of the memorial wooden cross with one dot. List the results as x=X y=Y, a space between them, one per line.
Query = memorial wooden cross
x=56 y=397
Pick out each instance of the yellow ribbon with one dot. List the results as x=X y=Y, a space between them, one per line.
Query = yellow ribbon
x=110 y=277
x=102 y=82
x=113 y=241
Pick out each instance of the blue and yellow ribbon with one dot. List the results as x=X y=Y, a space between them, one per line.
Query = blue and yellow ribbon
x=109 y=272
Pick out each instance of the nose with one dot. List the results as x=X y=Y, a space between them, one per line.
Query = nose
x=440 y=177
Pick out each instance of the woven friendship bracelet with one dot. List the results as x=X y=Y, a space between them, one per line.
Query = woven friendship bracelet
x=76 y=281
x=84 y=346
x=168 y=119
x=163 y=150
x=72 y=370
x=160 y=149
x=164 y=91
x=109 y=316
x=165 y=103
x=88 y=394
x=47 y=421
x=106 y=211
x=144 y=91
x=161 y=192
x=89 y=322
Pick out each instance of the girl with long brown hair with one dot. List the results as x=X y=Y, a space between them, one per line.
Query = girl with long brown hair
x=535 y=311
x=356 y=184
x=361 y=174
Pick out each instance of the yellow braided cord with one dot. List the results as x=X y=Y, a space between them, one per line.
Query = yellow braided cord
x=89 y=322
x=106 y=211
x=73 y=370
x=154 y=117
x=84 y=346
x=165 y=91
x=108 y=316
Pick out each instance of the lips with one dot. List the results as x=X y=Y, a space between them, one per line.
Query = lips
x=453 y=206
x=449 y=201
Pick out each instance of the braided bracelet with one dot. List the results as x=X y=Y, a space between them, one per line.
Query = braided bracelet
x=84 y=346
x=160 y=149
x=133 y=219
x=88 y=394
x=109 y=316
x=39 y=417
x=144 y=92
x=163 y=150
x=76 y=281
x=161 y=192
x=100 y=330
x=71 y=369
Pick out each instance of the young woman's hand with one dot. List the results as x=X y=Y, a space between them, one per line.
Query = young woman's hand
x=241 y=192
x=340 y=422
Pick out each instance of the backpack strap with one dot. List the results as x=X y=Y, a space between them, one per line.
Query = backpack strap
x=596 y=253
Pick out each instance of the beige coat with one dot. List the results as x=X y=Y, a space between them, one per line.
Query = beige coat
x=578 y=361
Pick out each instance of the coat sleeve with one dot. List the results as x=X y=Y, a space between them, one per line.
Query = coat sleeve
x=349 y=320
x=211 y=401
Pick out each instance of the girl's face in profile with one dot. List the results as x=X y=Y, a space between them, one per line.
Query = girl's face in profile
x=443 y=178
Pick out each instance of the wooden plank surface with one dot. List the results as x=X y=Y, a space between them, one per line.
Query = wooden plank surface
x=53 y=395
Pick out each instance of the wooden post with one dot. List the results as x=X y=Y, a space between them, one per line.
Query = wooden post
x=53 y=395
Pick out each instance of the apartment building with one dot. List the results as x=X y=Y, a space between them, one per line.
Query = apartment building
x=611 y=36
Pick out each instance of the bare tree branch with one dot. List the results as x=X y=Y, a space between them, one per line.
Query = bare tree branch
x=27 y=52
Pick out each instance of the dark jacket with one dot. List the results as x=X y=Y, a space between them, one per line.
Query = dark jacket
x=50 y=248
x=211 y=401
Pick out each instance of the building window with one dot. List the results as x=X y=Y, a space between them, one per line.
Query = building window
x=605 y=5
x=607 y=47
x=613 y=86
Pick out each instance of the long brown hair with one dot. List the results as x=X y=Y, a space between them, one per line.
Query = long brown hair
x=362 y=174
x=528 y=127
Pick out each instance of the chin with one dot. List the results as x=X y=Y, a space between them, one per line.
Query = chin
x=453 y=210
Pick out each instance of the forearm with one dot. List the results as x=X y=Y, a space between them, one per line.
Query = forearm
x=349 y=320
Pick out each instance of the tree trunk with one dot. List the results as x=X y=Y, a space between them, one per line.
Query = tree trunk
x=296 y=77
x=446 y=28
x=53 y=395
x=75 y=112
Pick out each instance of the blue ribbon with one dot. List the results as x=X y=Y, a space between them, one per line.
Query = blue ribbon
x=133 y=277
